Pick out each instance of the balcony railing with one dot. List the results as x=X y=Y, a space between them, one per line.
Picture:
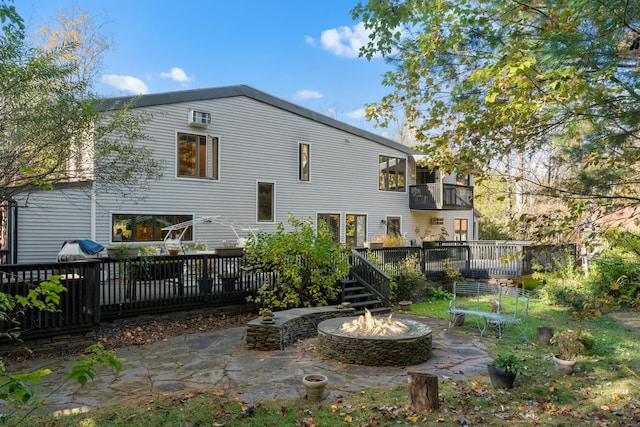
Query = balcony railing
x=440 y=197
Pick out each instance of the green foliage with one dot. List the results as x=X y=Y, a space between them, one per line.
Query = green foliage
x=451 y=273
x=51 y=123
x=508 y=363
x=487 y=84
x=572 y=344
x=85 y=368
x=438 y=294
x=407 y=279
x=18 y=392
x=306 y=265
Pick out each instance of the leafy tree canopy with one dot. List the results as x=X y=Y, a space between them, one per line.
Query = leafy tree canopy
x=482 y=80
x=50 y=128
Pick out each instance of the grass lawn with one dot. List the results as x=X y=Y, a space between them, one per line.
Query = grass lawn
x=604 y=390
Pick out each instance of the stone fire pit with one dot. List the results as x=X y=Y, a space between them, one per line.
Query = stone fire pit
x=408 y=348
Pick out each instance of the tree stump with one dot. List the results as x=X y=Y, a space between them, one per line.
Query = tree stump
x=423 y=392
x=544 y=335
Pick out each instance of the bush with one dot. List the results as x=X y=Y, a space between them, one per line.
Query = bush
x=408 y=279
x=306 y=265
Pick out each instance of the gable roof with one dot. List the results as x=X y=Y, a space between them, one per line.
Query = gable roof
x=155 y=99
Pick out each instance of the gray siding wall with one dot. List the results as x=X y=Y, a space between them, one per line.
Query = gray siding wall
x=47 y=218
x=258 y=142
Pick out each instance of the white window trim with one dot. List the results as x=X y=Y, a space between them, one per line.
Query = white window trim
x=300 y=144
x=175 y=156
x=266 y=181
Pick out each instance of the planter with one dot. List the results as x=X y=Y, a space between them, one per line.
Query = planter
x=373 y=245
x=174 y=252
x=229 y=252
x=405 y=305
x=544 y=335
x=500 y=378
x=314 y=385
x=458 y=320
x=119 y=254
x=428 y=245
x=564 y=367
x=229 y=283
x=205 y=286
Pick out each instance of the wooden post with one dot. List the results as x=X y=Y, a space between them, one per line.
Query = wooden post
x=423 y=392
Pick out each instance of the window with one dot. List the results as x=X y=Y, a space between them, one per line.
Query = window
x=355 y=230
x=333 y=223
x=392 y=173
x=144 y=227
x=266 y=201
x=303 y=162
x=393 y=226
x=460 y=229
x=197 y=156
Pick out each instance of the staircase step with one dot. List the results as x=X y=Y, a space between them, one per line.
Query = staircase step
x=355 y=289
x=352 y=297
x=358 y=304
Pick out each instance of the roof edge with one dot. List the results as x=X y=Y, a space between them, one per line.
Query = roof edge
x=141 y=101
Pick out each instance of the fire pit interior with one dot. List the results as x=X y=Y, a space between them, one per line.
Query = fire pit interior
x=373 y=341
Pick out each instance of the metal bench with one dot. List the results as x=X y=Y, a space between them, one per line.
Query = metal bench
x=504 y=309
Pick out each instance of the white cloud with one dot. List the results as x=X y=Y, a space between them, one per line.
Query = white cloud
x=331 y=112
x=126 y=83
x=357 y=114
x=309 y=40
x=345 y=41
x=176 y=74
x=307 y=94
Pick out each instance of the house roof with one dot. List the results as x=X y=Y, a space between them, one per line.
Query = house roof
x=155 y=99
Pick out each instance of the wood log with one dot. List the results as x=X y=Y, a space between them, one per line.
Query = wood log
x=423 y=392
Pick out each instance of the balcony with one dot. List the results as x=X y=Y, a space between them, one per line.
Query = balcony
x=440 y=197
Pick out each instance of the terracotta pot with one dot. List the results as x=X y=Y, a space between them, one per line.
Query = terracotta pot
x=314 y=385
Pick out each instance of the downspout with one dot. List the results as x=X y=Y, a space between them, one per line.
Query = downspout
x=12 y=231
x=93 y=211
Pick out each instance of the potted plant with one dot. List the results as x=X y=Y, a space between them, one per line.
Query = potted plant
x=123 y=252
x=458 y=318
x=503 y=370
x=571 y=344
x=229 y=280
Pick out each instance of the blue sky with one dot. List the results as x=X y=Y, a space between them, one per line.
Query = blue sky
x=301 y=51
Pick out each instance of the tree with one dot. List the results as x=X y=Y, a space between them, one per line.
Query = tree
x=306 y=265
x=50 y=128
x=491 y=81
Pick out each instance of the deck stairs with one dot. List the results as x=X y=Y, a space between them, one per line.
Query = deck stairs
x=360 y=297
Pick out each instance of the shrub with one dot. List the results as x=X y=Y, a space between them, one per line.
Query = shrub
x=408 y=279
x=306 y=265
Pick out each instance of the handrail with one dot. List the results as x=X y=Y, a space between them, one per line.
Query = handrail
x=370 y=276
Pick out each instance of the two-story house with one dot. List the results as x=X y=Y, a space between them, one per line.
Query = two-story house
x=244 y=155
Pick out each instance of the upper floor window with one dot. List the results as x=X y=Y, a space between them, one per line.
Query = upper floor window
x=266 y=201
x=392 y=173
x=145 y=227
x=303 y=162
x=197 y=156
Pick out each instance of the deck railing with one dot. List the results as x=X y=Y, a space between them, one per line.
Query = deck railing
x=104 y=289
